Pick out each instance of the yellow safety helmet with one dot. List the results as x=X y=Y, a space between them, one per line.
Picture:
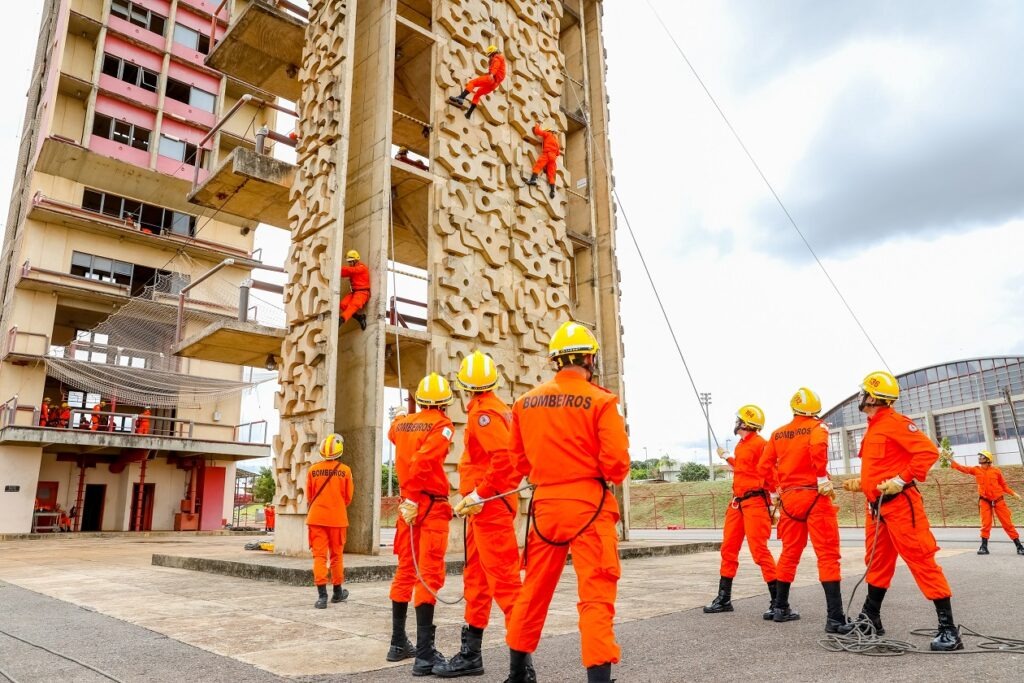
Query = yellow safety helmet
x=433 y=390
x=352 y=255
x=750 y=417
x=332 y=447
x=881 y=385
x=491 y=49
x=478 y=372
x=987 y=455
x=571 y=339
x=805 y=402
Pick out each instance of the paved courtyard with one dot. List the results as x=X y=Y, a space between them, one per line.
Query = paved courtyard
x=229 y=626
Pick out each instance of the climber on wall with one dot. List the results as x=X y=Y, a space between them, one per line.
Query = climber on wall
x=353 y=302
x=548 y=159
x=485 y=84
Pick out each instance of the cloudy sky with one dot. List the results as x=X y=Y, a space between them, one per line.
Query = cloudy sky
x=893 y=132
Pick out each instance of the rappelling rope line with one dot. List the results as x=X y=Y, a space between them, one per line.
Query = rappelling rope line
x=58 y=654
x=650 y=278
x=770 y=187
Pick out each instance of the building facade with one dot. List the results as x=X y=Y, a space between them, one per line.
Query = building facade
x=963 y=401
x=106 y=266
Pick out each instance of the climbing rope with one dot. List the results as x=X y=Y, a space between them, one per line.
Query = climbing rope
x=768 y=184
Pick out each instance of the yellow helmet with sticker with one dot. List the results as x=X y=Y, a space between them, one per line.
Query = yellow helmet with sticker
x=570 y=339
x=433 y=390
x=332 y=446
x=352 y=255
x=805 y=402
x=881 y=385
x=986 y=456
x=478 y=372
x=750 y=416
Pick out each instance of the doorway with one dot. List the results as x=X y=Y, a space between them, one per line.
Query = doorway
x=92 y=507
x=148 y=494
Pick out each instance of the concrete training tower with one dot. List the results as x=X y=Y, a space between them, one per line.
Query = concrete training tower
x=504 y=264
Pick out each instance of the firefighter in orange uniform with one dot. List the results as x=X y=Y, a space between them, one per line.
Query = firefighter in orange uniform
x=569 y=438
x=894 y=456
x=329 y=487
x=44 y=412
x=422 y=441
x=492 y=553
x=991 y=488
x=65 y=416
x=98 y=421
x=798 y=452
x=483 y=85
x=548 y=159
x=750 y=513
x=143 y=423
x=359 y=278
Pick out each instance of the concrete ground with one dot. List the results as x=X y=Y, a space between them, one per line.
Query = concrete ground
x=114 y=610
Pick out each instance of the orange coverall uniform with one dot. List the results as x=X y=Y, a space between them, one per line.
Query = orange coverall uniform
x=489 y=82
x=44 y=414
x=65 y=418
x=330 y=482
x=359 y=277
x=991 y=488
x=894 y=446
x=798 y=453
x=98 y=421
x=749 y=515
x=421 y=443
x=550 y=151
x=569 y=439
x=143 y=426
x=492 y=552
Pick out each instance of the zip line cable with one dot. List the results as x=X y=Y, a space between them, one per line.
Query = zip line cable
x=768 y=184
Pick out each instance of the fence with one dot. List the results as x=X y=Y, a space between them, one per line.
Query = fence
x=947 y=505
x=389 y=510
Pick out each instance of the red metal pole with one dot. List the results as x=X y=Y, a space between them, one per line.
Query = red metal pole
x=141 y=496
x=81 y=494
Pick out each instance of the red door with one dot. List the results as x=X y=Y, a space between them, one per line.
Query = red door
x=146 y=518
x=211 y=498
x=46 y=495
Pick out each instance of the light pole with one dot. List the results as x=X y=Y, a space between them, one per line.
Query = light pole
x=705 y=400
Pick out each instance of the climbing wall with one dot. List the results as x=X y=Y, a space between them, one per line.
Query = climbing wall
x=308 y=359
x=499 y=254
x=500 y=271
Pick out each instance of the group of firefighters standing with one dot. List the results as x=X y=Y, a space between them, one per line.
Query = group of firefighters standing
x=788 y=473
x=567 y=436
x=54 y=416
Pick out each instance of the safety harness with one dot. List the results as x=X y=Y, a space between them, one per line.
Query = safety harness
x=991 y=502
x=876 y=507
x=737 y=501
x=530 y=520
x=803 y=519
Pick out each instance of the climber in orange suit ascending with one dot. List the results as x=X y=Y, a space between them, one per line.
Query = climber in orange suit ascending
x=548 y=159
x=485 y=84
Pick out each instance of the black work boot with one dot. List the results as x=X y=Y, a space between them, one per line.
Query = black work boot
x=468 y=661
x=782 y=611
x=871 y=613
x=770 y=613
x=834 y=606
x=470 y=110
x=460 y=99
x=427 y=657
x=602 y=673
x=983 y=550
x=321 y=599
x=361 y=319
x=948 y=637
x=520 y=667
x=551 y=191
x=1020 y=547
x=340 y=594
x=400 y=648
x=723 y=601
x=532 y=180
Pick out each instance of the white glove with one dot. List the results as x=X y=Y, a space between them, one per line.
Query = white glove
x=891 y=486
x=825 y=487
x=470 y=505
x=409 y=509
x=721 y=453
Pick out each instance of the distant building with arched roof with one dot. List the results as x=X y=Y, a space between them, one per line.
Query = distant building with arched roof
x=963 y=401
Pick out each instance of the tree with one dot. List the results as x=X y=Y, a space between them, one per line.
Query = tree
x=263 y=488
x=945 y=452
x=384 y=481
x=638 y=471
x=694 y=471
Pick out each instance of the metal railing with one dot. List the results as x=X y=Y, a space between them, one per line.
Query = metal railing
x=14 y=336
x=252 y=432
x=400 y=320
x=947 y=504
x=242 y=101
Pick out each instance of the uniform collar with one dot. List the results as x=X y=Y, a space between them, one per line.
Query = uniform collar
x=568 y=375
x=479 y=398
x=748 y=437
x=882 y=412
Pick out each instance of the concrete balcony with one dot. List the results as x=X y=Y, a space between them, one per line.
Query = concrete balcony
x=55 y=212
x=82 y=441
x=263 y=47
x=234 y=342
x=252 y=186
